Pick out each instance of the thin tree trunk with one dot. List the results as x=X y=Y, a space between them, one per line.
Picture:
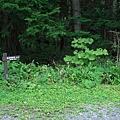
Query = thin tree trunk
x=114 y=8
x=118 y=49
x=76 y=14
x=7 y=37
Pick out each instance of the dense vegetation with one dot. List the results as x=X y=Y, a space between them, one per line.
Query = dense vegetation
x=43 y=30
x=48 y=32
x=30 y=76
x=68 y=49
x=46 y=92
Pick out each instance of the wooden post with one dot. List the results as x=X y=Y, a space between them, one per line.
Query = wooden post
x=4 y=59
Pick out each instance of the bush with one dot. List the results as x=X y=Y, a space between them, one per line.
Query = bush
x=95 y=73
x=30 y=76
x=87 y=76
x=82 y=53
x=111 y=74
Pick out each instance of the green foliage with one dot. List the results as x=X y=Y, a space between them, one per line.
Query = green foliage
x=82 y=68
x=82 y=54
x=111 y=72
x=53 y=100
x=93 y=74
x=28 y=25
x=37 y=18
x=30 y=76
x=85 y=76
x=39 y=26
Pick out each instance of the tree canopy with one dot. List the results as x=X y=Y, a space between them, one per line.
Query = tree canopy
x=42 y=30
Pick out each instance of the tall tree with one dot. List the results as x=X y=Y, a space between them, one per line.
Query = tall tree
x=33 y=24
x=76 y=14
x=116 y=39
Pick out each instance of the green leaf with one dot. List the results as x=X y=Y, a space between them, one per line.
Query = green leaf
x=91 y=58
x=88 y=83
x=67 y=58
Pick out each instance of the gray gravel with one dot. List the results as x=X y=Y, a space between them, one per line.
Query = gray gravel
x=90 y=113
x=101 y=114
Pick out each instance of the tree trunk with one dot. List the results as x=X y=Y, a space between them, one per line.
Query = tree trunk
x=116 y=39
x=7 y=37
x=76 y=14
x=114 y=7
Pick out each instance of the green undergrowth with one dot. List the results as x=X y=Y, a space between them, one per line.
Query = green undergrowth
x=32 y=76
x=54 y=99
x=44 y=91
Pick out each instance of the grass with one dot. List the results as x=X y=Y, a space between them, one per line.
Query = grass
x=55 y=99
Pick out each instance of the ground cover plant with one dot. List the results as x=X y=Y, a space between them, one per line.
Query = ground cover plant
x=63 y=76
x=30 y=76
x=41 y=91
x=52 y=100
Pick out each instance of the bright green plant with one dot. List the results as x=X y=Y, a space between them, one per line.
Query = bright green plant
x=82 y=53
x=86 y=76
x=86 y=72
x=102 y=72
x=29 y=76
x=111 y=73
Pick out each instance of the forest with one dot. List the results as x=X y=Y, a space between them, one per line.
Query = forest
x=69 y=59
x=74 y=40
x=42 y=30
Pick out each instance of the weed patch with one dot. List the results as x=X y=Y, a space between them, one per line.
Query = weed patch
x=55 y=99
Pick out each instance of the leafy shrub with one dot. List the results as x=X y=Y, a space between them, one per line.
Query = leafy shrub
x=82 y=70
x=87 y=76
x=95 y=73
x=111 y=73
x=30 y=76
x=82 y=53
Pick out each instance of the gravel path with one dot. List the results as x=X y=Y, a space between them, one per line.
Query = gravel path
x=90 y=113
x=95 y=114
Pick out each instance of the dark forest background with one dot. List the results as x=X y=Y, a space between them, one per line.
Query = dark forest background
x=42 y=30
